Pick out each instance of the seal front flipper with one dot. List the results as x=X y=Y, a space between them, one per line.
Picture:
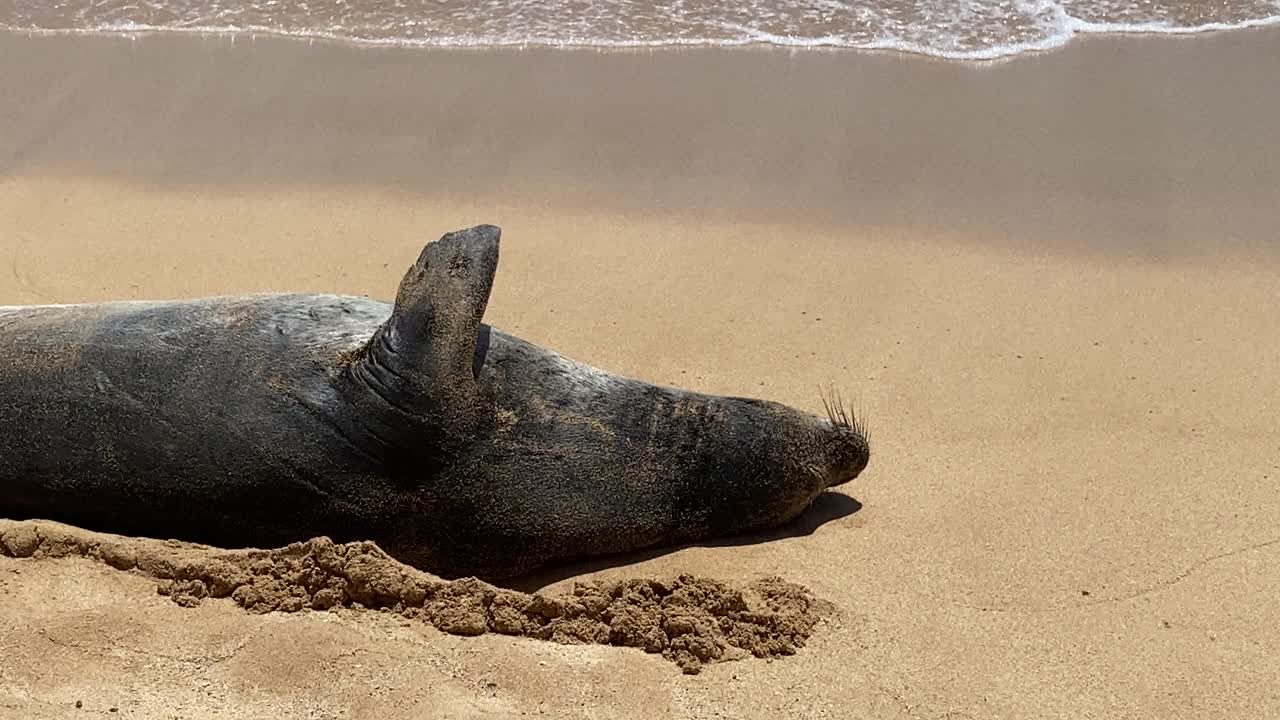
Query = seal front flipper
x=441 y=301
x=414 y=384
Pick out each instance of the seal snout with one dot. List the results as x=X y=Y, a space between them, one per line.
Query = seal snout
x=848 y=446
x=849 y=456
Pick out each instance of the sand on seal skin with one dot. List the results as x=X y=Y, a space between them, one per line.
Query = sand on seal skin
x=688 y=620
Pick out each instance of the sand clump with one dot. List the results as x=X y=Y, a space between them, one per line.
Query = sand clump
x=688 y=620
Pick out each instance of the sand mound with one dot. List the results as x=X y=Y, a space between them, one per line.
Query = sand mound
x=689 y=620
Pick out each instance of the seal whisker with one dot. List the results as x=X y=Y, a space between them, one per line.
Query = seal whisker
x=826 y=405
x=860 y=425
x=834 y=407
x=842 y=415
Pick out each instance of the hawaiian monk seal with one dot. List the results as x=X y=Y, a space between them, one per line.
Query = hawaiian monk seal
x=267 y=419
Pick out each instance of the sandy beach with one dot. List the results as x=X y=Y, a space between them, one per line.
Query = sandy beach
x=1047 y=282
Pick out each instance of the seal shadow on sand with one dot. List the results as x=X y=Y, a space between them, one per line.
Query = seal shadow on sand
x=827 y=507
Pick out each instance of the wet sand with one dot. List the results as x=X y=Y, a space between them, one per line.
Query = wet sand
x=1151 y=145
x=1048 y=282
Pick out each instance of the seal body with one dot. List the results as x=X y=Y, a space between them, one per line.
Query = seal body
x=267 y=419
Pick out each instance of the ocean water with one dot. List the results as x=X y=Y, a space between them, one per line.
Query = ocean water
x=960 y=29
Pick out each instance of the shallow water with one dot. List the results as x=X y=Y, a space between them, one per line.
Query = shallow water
x=961 y=29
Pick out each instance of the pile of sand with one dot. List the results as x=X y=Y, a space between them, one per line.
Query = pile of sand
x=689 y=620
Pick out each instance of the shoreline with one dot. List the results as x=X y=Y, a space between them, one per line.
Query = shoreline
x=1078 y=30
x=1052 y=151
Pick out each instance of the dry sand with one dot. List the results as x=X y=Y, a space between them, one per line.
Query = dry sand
x=1050 y=283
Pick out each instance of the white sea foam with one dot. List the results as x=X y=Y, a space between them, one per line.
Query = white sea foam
x=956 y=29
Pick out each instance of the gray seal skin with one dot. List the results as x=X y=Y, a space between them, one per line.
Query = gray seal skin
x=261 y=420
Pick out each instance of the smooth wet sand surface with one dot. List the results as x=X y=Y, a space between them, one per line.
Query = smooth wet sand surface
x=1049 y=285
